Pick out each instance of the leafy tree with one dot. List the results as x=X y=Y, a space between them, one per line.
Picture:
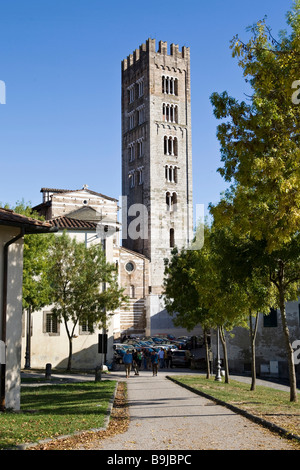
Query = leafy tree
x=261 y=155
x=36 y=292
x=199 y=290
x=182 y=300
x=84 y=286
x=238 y=262
x=259 y=137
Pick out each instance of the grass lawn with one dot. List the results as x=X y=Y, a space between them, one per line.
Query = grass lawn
x=52 y=410
x=267 y=403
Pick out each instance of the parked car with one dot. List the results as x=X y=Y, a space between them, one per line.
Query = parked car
x=181 y=357
x=120 y=346
x=118 y=355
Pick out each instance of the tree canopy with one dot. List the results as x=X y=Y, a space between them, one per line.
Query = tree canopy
x=260 y=148
x=259 y=137
x=84 y=286
x=36 y=289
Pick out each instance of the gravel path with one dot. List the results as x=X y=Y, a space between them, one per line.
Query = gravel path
x=165 y=416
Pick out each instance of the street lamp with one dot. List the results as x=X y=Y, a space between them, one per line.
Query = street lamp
x=28 y=340
x=218 y=374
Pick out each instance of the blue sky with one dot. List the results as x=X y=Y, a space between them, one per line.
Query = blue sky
x=61 y=63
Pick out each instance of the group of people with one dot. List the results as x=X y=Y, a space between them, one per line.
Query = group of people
x=150 y=360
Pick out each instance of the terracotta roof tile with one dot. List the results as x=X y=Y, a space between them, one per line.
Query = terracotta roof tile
x=70 y=223
x=9 y=217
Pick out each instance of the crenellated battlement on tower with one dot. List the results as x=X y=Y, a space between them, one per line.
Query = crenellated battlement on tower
x=150 y=47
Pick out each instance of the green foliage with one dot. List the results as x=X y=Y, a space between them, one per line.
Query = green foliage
x=260 y=148
x=216 y=285
x=36 y=289
x=260 y=139
x=83 y=285
x=181 y=296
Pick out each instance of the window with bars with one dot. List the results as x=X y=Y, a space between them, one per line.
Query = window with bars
x=86 y=327
x=51 y=324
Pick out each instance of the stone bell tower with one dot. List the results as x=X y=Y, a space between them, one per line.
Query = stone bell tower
x=156 y=153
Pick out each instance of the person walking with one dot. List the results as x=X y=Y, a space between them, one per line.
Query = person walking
x=145 y=359
x=137 y=360
x=127 y=359
x=165 y=357
x=169 y=358
x=154 y=362
x=161 y=356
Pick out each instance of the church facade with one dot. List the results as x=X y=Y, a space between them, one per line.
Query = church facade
x=91 y=218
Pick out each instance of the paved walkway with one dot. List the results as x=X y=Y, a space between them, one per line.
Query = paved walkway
x=165 y=416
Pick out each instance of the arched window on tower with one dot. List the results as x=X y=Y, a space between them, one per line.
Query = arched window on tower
x=170 y=112
x=131 y=153
x=140 y=173
x=131 y=176
x=168 y=200
x=132 y=292
x=174 y=202
x=166 y=145
x=175 y=146
x=171 y=201
x=169 y=85
x=170 y=145
x=172 y=238
x=140 y=147
x=171 y=173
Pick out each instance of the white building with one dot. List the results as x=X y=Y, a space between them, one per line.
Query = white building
x=92 y=218
x=13 y=227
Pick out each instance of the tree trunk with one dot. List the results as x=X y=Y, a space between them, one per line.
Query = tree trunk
x=289 y=349
x=206 y=355
x=70 y=354
x=252 y=342
x=70 y=336
x=223 y=341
